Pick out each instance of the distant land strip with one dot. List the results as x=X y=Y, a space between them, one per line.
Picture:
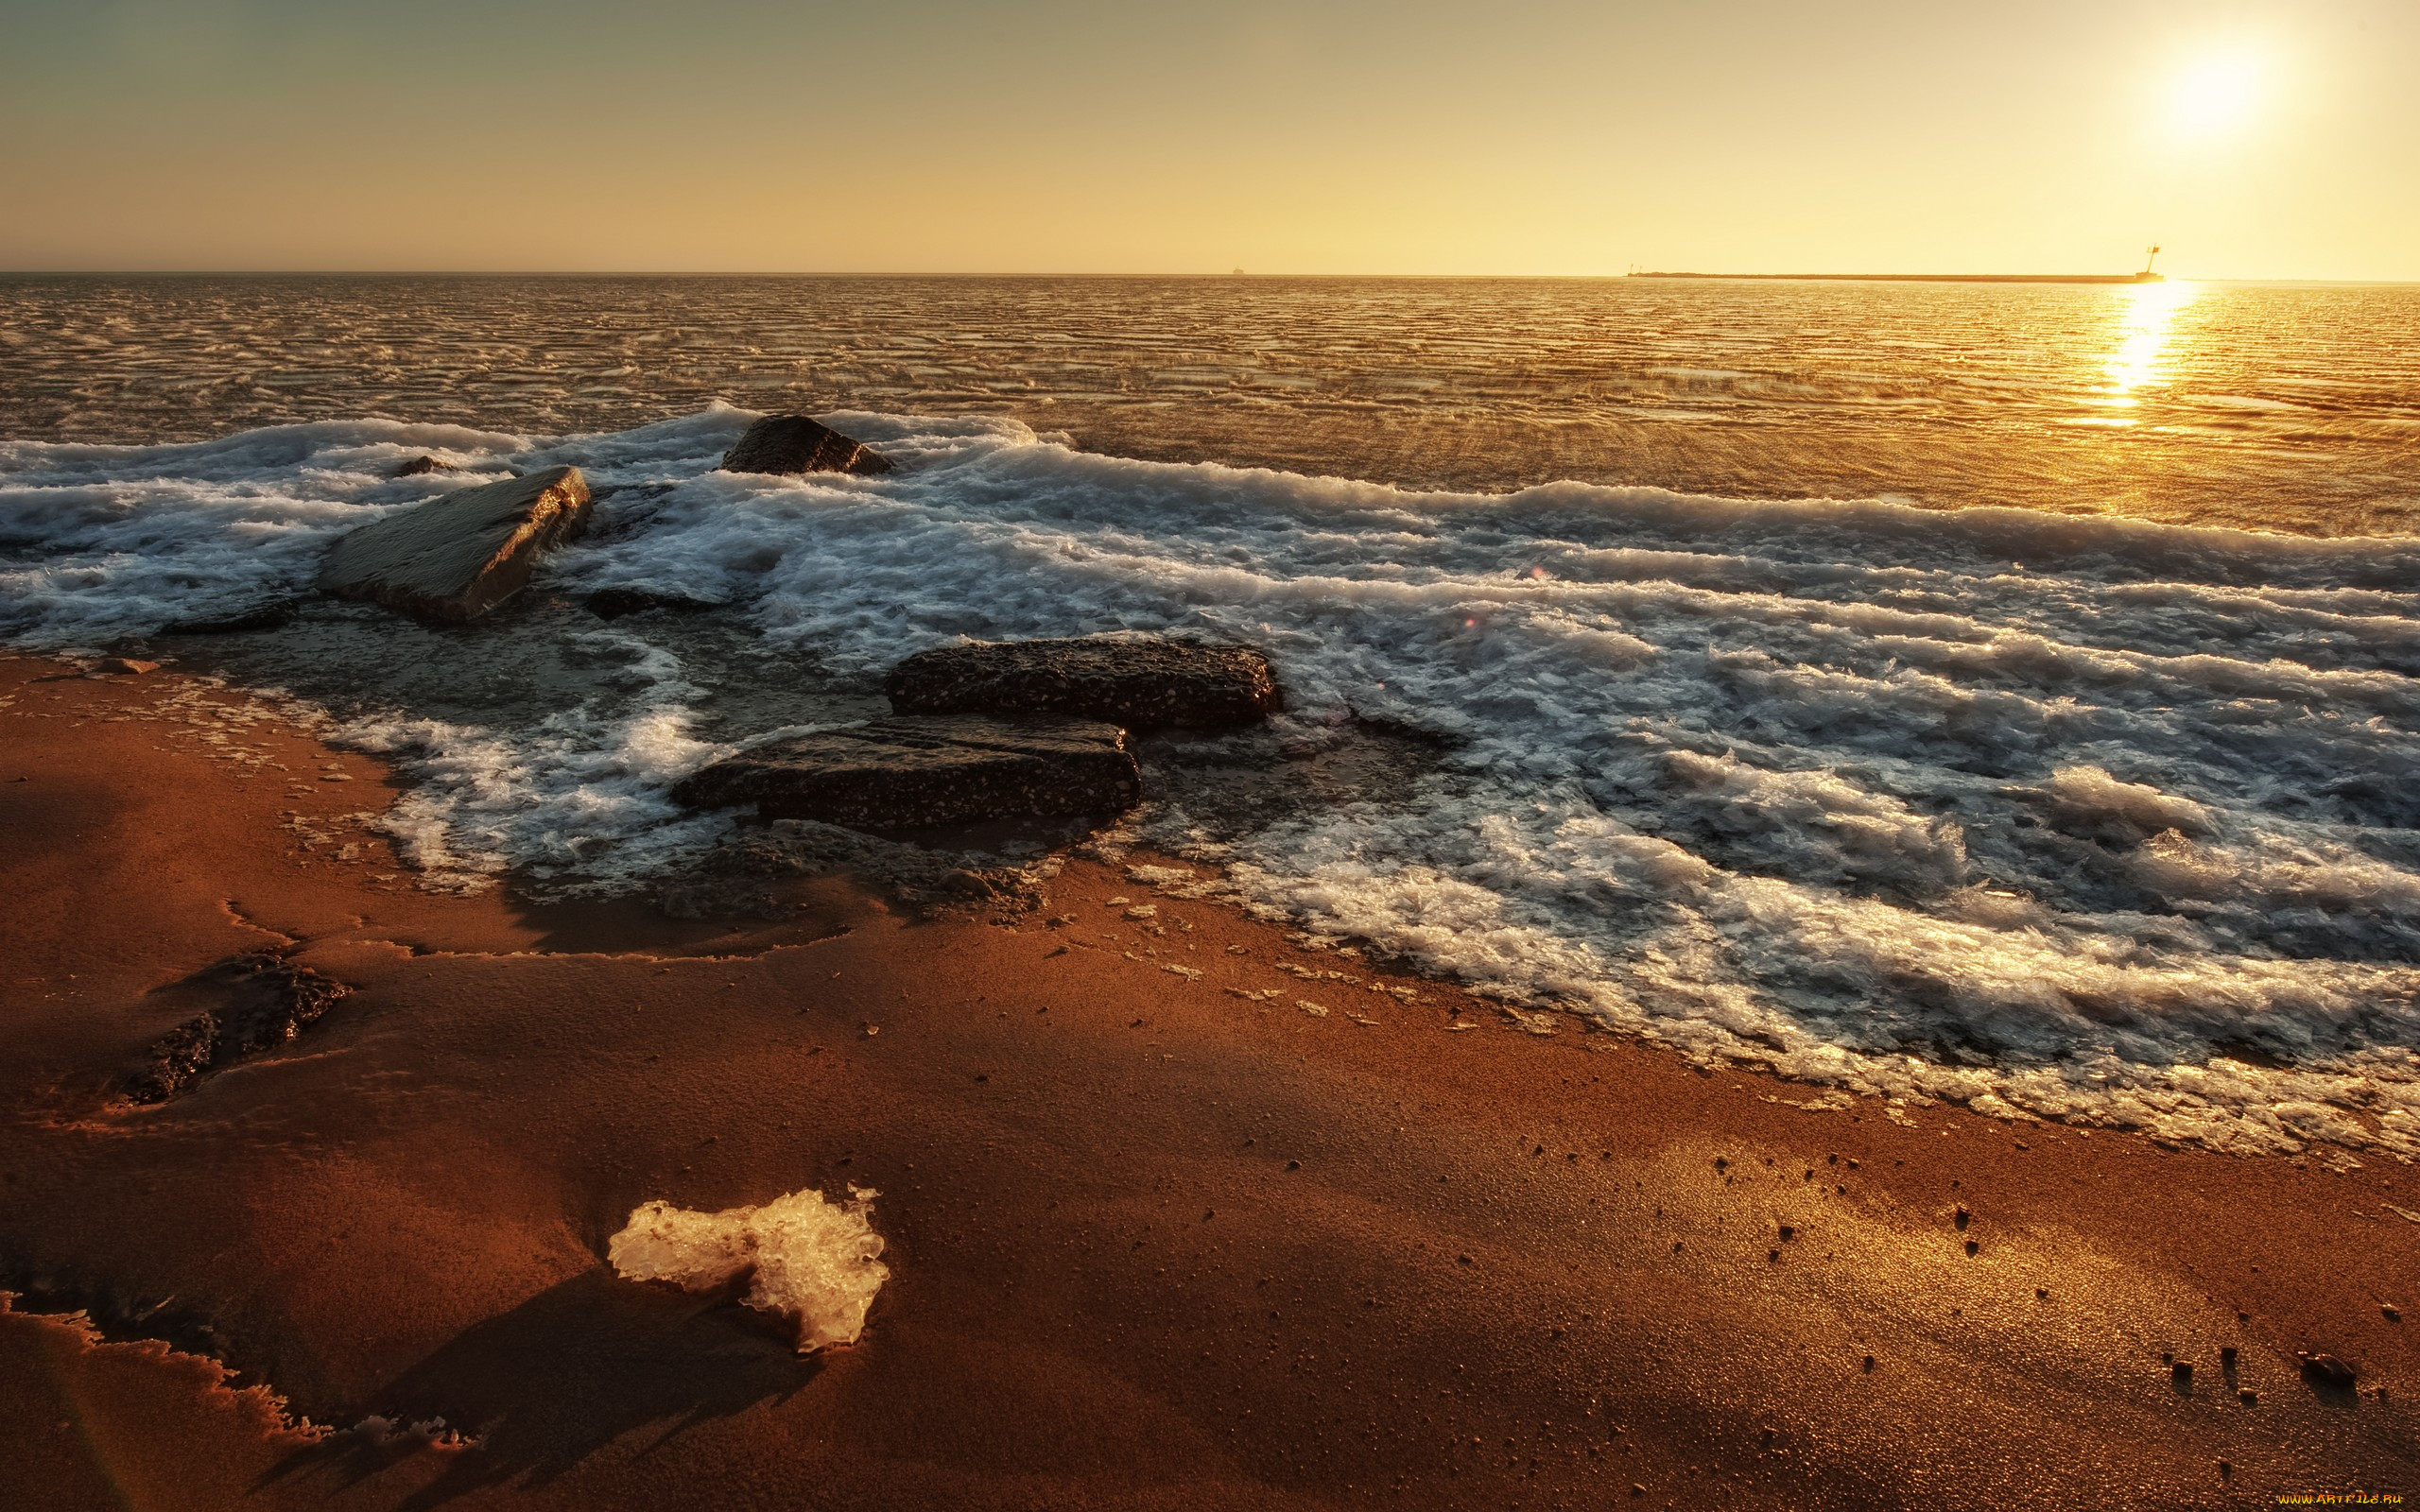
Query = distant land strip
x=1935 y=278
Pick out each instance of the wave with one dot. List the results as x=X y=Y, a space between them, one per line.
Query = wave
x=2056 y=817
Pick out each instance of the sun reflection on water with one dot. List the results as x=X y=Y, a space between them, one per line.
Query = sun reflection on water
x=2146 y=328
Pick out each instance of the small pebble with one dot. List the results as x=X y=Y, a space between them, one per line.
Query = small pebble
x=2043 y=1293
x=1972 y=1246
x=1869 y=1363
x=2248 y=1397
x=2227 y=1354
x=2391 y=1314
x=1962 y=1219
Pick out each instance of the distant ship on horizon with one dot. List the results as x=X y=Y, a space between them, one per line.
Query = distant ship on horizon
x=2146 y=276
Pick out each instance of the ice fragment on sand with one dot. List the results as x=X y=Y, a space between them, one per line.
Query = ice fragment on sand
x=816 y=1263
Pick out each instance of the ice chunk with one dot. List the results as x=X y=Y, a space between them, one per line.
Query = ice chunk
x=816 y=1263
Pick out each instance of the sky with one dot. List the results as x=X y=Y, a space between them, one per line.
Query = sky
x=2251 y=139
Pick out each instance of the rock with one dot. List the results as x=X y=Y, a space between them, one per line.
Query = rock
x=792 y=443
x=1143 y=684
x=265 y=1003
x=458 y=556
x=898 y=774
x=2327 y=1370
x=612 y=603
x=420 y=465
x=124 y=666
x=740 y=875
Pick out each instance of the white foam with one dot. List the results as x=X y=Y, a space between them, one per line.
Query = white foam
x=815 y=1263
x=2058 y=816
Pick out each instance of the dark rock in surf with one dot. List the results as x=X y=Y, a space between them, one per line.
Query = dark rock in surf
x=267 y=1003
x=274 y=614
x=1143 y=684
x=460 y=555
x=420 y=465
x=898 y=774
x=744 y=875
x=787 y=444
x=612 y=603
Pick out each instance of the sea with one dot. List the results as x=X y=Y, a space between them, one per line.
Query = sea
x=1998 y=695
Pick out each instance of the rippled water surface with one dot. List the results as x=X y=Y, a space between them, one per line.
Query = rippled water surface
x=1622 y=677
x=2281 y=408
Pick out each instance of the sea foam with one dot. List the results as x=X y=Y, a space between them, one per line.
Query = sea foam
x=815 y=1263
x=2055 y=816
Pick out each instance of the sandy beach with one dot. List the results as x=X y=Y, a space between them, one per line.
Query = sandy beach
x=1161 y=1234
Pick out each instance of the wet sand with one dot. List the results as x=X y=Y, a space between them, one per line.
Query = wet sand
x=1154 y=1245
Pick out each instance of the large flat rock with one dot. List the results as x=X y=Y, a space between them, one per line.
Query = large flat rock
x=792 y=443
x=898 y=774
x=458 y=556
x=1140 y=684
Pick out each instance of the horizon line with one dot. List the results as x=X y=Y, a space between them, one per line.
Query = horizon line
x=1235 y=273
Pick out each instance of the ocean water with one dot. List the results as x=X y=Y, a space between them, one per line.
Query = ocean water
x=2058 y=810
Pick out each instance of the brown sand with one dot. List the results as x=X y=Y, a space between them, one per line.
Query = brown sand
x=1154 y=1245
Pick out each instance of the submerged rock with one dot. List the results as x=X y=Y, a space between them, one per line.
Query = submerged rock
x=741 y=877
x=1144 y=684
x=458 y=556
x=898 y=774
x=785 y=444
x=612 y=603
x=420 y=465
x=269 y=614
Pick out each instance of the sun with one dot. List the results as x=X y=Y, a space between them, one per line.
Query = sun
x=2214 y=96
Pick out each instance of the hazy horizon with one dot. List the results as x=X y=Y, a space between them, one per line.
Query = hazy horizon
x=1042 y=275
x=2255 y=140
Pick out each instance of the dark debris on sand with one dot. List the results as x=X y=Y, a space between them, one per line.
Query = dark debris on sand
x=268 y=1002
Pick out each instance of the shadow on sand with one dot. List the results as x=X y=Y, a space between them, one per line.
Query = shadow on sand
x=548 y=1384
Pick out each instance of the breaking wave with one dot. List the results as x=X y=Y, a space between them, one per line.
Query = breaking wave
x=2055 y=816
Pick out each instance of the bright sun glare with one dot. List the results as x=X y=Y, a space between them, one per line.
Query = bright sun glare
x=2214 y=96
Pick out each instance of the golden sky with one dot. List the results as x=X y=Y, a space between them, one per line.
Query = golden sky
x=2252 y=140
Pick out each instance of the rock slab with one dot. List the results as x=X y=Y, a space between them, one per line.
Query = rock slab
x=1143 y=684
x=462 y=554
x=786 y=444
x=899 y=774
